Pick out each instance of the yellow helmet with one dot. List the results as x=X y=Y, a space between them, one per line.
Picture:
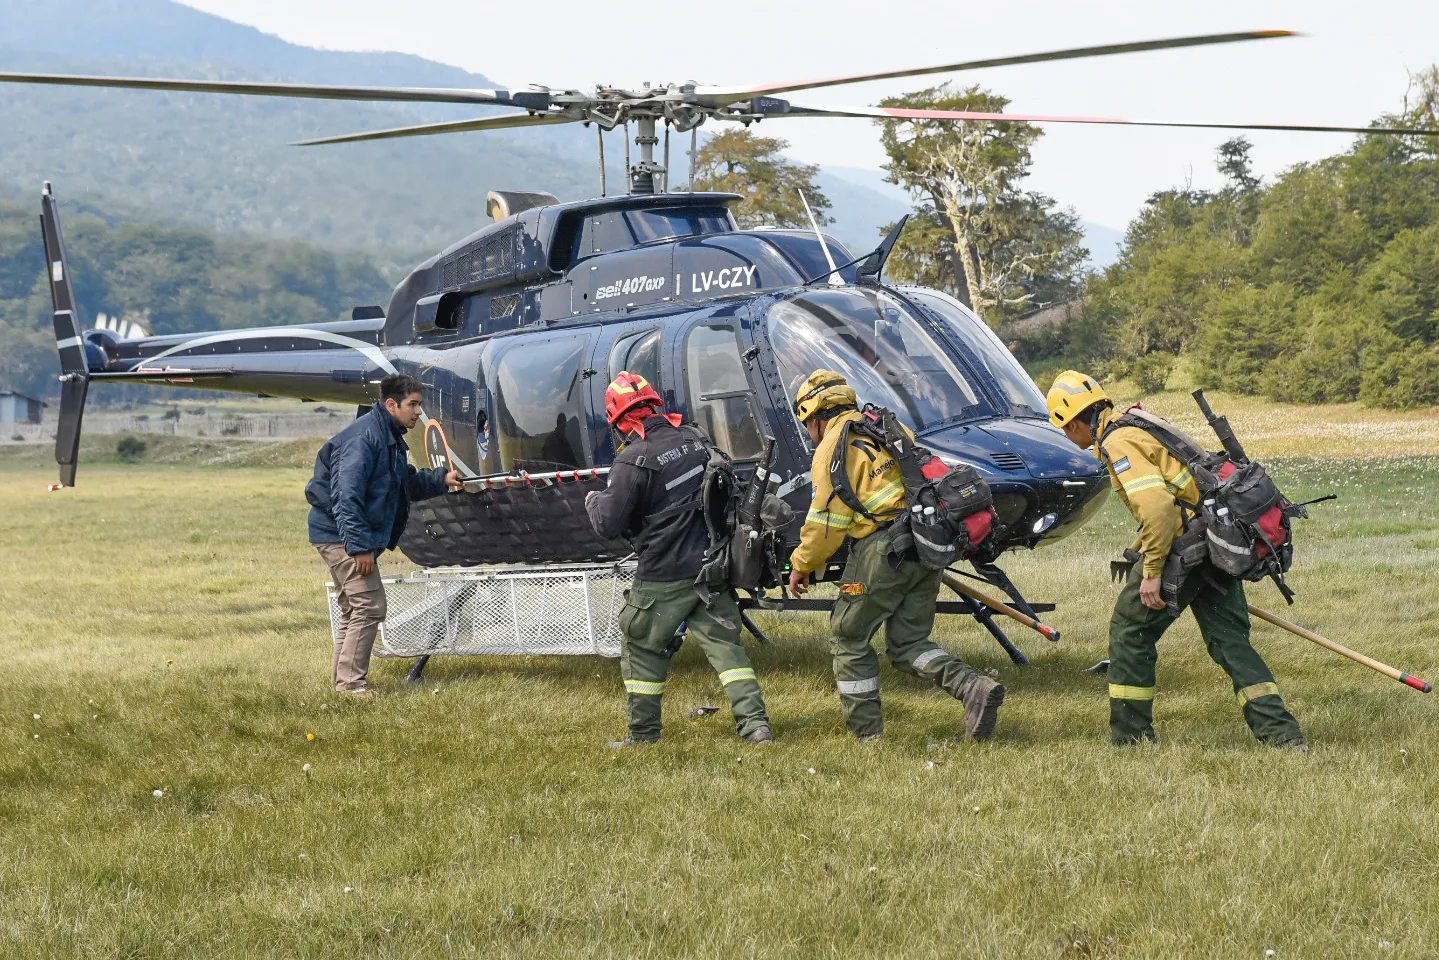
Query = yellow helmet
x=822 y=390
x=1072 y=393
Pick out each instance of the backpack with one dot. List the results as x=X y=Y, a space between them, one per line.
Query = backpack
x=950 y=509
x=745 y=525
x=1242 y=516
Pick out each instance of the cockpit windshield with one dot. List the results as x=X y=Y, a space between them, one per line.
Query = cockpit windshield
x=886 y=353
x=989 y=352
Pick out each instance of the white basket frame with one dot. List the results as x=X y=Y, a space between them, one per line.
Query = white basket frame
x=512 y=609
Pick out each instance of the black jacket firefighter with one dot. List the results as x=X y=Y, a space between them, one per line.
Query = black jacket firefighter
x=653 y=500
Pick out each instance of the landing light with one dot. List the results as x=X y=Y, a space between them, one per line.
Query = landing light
x=1045 y=522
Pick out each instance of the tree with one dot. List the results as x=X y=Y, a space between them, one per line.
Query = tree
x=738 y=161
x=1232 y=159
x=964 y=177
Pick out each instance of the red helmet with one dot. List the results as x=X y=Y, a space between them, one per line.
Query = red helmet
x=629 y=390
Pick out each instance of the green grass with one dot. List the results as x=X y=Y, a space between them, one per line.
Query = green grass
x=167 y=623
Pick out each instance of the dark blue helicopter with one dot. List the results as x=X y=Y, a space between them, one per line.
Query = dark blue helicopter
x=517 y=329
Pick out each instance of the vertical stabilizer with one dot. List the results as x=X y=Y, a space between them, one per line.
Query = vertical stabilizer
x=74 y=373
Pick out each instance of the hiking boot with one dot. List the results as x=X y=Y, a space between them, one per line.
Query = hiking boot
x=760 y=735
x=981 y=697
x=1297 y=745
x=868 y=737
x=632 y=742
x=363 y=694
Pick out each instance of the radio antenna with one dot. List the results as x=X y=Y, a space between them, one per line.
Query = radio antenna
x=835 y=279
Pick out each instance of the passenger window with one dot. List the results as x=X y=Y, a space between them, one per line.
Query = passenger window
x=638 y=353
x=539 y=405
x=720 y=397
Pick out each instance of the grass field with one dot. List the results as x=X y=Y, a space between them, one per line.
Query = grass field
x=163 y=627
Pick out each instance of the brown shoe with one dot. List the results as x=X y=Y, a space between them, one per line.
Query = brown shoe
x=981 y=697
x=363 y=694
x=760 y=736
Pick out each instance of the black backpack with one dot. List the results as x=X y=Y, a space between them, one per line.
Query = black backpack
x=1242 y=520
x=949 y=510
x=745 y=525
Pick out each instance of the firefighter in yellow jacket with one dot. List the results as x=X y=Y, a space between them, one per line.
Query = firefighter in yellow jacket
x=873 y=590
x=1151 y=480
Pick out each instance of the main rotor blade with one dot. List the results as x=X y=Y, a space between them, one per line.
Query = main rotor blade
x=719 y=96
x=535 y=100
x=895 y=113
x=454 y=126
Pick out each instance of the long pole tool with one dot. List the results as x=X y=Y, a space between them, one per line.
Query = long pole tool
x=1409 y=680
x=959 y=586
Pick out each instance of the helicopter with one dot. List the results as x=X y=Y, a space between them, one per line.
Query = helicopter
x=517 y=328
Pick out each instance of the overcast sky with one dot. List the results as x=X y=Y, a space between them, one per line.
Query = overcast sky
x=1351 y=66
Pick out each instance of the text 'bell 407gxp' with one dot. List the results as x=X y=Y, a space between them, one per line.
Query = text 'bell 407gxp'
x=516 y=329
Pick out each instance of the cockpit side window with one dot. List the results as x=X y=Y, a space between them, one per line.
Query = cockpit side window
x=540 y=405
x=721 y=400
x=638 y=353
x=888 y=355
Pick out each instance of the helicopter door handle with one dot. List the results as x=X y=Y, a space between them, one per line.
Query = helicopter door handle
x=1073 y=483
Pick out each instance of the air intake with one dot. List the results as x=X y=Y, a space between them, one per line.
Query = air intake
x=1008 y=461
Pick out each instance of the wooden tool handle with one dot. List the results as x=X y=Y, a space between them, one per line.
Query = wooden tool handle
x=959 y=586
x=1423 y=686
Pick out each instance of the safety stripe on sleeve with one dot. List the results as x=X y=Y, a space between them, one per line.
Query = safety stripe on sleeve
x=1253 y=692
x=831 y=520
x=728 y=677
x=928 y=657
x=1143 y=483
x=645 y=687
x=854 y=687
x=1118 y=691
x=883 y=496
x=1181 y=480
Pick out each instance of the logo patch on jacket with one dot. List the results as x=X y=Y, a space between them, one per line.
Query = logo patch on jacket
x=852 y=589
x=1121 y=465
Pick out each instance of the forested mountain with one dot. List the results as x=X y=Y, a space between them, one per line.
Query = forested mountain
x=1322 y=286
x=176 y=279
x=224 y=164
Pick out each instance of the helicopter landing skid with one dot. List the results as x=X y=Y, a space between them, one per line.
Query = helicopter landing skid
x=964 y=606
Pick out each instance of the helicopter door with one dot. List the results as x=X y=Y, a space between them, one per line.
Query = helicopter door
x=540 y=421
x=721 y=397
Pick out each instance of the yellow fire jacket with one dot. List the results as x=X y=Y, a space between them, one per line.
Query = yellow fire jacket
x=1147 y=478
x=876 y=481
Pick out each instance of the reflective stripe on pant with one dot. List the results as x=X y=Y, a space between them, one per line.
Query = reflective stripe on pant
x=903 y=602
x=1223 y=618
x=651 y=616
x=362 y=610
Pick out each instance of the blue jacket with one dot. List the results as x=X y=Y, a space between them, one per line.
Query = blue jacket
x=363 y=484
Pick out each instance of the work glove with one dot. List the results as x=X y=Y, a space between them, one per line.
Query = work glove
x=1119 y=569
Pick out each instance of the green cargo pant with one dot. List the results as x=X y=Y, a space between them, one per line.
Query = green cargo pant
x=651 y=617
x=1223 y=617
x=874 y=593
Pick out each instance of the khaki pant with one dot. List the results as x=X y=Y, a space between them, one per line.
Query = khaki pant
x=362 y=610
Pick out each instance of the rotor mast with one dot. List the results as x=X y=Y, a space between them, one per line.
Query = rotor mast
x=642 y=174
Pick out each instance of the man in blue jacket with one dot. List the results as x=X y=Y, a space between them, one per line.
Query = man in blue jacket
x=359 y=502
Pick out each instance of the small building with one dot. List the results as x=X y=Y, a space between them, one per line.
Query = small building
x=18 y=408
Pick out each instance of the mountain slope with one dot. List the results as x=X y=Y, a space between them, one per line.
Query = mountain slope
x=223 y=163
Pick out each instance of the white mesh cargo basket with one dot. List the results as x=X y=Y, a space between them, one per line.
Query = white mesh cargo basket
x=530 y=610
